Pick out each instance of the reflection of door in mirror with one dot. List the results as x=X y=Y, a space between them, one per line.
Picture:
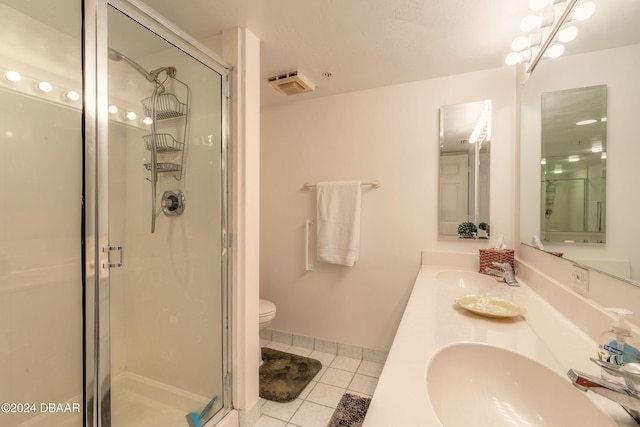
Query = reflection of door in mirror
x=574 y=165
x=465 y=135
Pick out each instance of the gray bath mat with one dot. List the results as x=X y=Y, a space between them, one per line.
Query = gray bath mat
x=283 y=375
x=350 y=411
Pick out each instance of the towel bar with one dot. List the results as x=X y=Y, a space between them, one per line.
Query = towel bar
x=374 y=184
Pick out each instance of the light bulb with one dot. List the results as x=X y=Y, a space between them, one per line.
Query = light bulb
x=13 y=76
x=555 y=50
x=131 y=115
x=568 y=34
x=537 y=5
x=513 y=58
x=584 y=11
x=520 y=43
x=529 y=22
x=113 y=109
x=45 y=87
x=147 y=120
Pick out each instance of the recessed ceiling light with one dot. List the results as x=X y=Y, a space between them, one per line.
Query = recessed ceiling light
x=568 y=34
x=131 y=115
x=13 y=76
x=72 y=95
x=45 y=87
x=113 y=109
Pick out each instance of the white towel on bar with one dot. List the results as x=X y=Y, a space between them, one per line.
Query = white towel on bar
x=338 y=222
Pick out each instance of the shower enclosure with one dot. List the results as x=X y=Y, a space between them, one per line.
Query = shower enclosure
x=113 y=261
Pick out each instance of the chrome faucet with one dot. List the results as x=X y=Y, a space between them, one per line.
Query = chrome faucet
x=627 y=396
x=505 y=271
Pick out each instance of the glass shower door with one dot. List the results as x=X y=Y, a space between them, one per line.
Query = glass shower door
x=167 y=286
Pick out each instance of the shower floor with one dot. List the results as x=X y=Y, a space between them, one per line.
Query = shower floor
x=141 y=402
x=132 y=409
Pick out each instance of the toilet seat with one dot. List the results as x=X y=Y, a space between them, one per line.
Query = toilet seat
x=267 y=309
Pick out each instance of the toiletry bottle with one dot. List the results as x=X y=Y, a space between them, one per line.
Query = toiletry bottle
x=618 y=345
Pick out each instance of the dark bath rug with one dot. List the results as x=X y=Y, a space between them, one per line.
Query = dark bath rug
x=283 y=375
x=350 y=411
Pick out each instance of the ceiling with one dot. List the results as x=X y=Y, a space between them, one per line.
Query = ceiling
x=363 y=43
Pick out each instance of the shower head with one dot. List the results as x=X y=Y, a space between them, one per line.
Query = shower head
x=152 y=76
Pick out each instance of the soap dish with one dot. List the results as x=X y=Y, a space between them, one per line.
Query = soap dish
x=490 y=306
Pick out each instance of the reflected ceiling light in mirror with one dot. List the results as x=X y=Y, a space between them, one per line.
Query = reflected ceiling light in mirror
x=596 y=148
x=586 y=122
x=573 y=159
x=603 y=155
x=131 y=116
x=113 y=109
x=543 y=161
x=147 y=120
x=72 y=95
x=45 y=87
x=13 y=76
x=584 y=11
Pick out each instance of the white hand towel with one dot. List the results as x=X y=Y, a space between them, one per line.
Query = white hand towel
x=338 y=222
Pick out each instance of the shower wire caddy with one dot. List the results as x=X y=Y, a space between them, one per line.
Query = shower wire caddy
x=162 y=107
x=167 y=152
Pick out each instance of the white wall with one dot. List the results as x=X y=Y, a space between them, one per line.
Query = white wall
x=389 y=134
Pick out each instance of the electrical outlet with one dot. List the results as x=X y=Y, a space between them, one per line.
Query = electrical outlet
x=580 y=279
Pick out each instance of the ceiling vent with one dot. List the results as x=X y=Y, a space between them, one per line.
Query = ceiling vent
x=291 y=83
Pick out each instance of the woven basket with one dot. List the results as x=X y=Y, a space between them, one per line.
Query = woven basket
x=489 y=256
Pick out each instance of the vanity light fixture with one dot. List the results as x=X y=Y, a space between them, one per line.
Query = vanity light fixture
x=545 y=26
x=13 y=76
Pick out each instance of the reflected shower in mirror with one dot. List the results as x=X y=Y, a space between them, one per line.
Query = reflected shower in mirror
x=465 y=136
x=573 y=163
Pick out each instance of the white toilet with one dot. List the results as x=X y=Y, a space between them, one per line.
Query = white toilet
x=267 y=313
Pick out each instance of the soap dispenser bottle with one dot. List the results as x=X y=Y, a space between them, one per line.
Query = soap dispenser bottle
x=618 y=345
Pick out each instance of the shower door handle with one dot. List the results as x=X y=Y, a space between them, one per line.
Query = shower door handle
x=110 y=249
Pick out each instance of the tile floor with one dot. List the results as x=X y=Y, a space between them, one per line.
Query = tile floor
x=315 y=405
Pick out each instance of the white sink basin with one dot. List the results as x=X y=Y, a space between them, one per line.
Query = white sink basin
x=472 y=384
x=467 y=279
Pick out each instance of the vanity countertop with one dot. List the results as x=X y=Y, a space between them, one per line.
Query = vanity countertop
x=432 y=320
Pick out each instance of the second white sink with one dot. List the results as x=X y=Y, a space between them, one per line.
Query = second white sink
x=473 y=384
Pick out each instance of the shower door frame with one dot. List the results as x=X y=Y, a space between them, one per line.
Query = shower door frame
x=95 y=226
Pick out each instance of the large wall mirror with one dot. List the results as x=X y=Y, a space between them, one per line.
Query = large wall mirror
x=598 y=71
x=465 y=137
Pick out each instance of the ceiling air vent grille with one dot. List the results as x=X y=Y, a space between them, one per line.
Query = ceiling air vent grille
x=291 y=83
